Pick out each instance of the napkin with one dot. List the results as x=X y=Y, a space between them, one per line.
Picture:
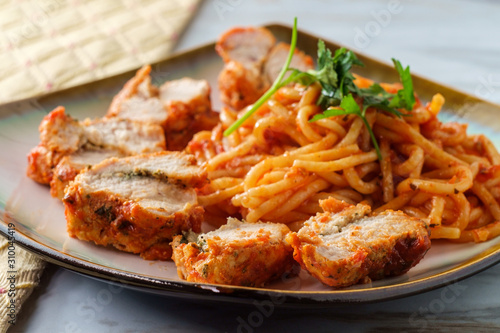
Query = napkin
x=48 y=45
x=18 y=278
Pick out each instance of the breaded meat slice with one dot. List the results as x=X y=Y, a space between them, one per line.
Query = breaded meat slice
x=247 y=45
x=71 y=165
x=181 y=107
x=252 y=63
x=61 y=135
x=138 y=100
x=127 y=136
x=189 y=110
x=240 y=86
x=277 y=57
x=345 y=245
x=238 y=253
x=244 y=51
x=136 y=204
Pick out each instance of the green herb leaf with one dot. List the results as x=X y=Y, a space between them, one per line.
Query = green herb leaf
x=327 y=73
x=341 y=64
x=330 y=112
x=405 y=98
x=334 y=75
x=375 y=96
x=349 y=106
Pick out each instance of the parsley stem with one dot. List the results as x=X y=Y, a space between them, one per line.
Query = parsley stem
x=372 y=136
x=276 y=85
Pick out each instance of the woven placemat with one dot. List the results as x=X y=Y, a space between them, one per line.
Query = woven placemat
x=20 y=273
x=48 y=45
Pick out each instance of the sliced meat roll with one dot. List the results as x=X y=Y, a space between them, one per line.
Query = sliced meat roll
x=136 y=204
x=61 y=135
x=138 y=100
x=181 y=107
x=238 y=253
x=189 y=109
x=252 y=63
x=345 y=245
x=244 y=51
x=277 y=57
x=247 y=46
x=71 y=165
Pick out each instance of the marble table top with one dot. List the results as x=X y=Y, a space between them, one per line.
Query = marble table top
x=452 y=42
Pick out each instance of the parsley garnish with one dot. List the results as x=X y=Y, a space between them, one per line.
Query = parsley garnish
x=405 y=97
x=374 y=96
x=349 y=106
x=334 y=75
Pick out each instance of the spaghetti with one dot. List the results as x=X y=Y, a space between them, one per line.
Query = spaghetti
x=278 y=165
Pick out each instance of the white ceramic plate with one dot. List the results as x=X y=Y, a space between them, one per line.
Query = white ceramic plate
x=41 y=228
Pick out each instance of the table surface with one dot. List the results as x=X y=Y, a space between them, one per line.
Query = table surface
x=452 y=42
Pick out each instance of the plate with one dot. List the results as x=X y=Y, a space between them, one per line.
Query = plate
x=40 y=226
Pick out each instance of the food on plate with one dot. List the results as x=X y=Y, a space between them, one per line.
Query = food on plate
x=136 y=204
x=71 y=165
x=346 y=245
x=252 y=62
x=277 y=56
x=61 y=135
x=182 y=107
x=189 y=108
x=238 y=253
x=244 y=51
x=138 y=100
x=360 y=172
x=136 y=118
x=331 y=133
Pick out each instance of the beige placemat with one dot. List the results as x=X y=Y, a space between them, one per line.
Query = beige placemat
x=47 y=45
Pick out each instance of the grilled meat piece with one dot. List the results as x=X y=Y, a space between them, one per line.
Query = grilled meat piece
x=238 y=253
x=71 y=165
x=247 y=46
x=136 y=204
x=181 y=107
x=129 y=137
x=345 y=245
x=277 y=57
x=61 y=135
x=138 y=100
x=252 y=63
x=189 y=109
x=240 y=86
x=244 y=51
